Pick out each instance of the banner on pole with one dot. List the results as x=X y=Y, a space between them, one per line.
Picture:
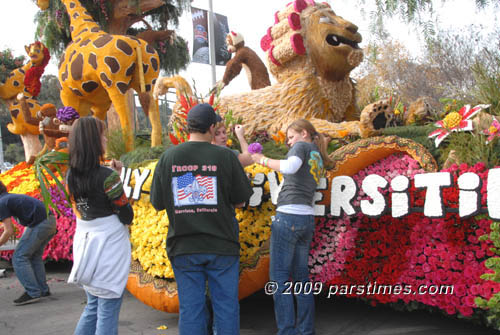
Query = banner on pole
x=201 y=52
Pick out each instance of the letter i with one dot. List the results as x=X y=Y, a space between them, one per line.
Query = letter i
x=399 y=197
x=468 y=199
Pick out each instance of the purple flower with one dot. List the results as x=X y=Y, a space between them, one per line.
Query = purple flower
x=67 y=113
x=255 y=148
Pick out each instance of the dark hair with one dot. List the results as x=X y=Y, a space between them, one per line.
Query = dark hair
x=3 y=188
x=85 y=154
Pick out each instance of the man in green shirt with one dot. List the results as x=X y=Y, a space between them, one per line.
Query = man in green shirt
x=199 y=184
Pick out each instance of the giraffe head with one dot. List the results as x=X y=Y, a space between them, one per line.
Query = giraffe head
x=36 y=52
x=43 y=4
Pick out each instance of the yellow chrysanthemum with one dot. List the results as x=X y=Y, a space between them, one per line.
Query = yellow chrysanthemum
x=452 y=120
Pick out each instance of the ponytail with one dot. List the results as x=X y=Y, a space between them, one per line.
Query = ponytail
x=317 y=138
x=320 y=140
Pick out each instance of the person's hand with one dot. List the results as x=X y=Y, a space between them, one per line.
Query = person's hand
x=239 y=130
x=256 y=158
x=116 y=165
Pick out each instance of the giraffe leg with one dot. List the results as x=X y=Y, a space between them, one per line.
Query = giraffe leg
x=154 y=118
x=120 y=102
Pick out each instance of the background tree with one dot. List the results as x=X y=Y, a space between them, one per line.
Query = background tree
x=119 y=17
x=462 y=65
x=50 y=91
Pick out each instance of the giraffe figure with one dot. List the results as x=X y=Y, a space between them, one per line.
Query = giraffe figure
x=97 y=69
x=25 y=125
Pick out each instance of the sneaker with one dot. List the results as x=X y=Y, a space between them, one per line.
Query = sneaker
x=25 y=299
x=46 y=294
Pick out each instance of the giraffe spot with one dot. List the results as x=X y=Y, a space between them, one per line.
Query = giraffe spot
x=22 y=71
x=112 y=63
x=76 y=92
x=154 y=64
x=10 y=75
x=102 y=41
x=93 y=60
x=15 y=103
x=95 y=30
x=145 y=67
x=77 y=67
x=123 y=87
x=72 y=5
x=76 y=16
x=71 y=28
x=153 y=82
x=86 y=13
x=150 y=49
x=64 y=75
x=61 y=60
x=130 y=70
x=78 y=40
x=82 y=31
x=89 y=86
x=15 y=83
x=31 y=105
x=71 y=56
x=85 y=42
x=124 y=46
x=148 y=87
x=105 y=79
x=14 y=113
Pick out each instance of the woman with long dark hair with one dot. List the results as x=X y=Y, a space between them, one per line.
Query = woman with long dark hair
x=101 y=245
x=292 y=228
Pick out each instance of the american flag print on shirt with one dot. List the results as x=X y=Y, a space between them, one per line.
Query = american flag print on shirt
x=191 y=190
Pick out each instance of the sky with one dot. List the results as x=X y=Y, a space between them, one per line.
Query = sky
x=251 y=19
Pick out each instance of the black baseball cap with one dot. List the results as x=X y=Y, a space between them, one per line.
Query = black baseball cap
x=201 y=117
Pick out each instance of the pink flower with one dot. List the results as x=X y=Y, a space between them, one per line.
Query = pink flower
x=493 y=131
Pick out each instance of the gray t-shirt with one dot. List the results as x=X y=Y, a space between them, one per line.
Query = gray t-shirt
x=299 y=188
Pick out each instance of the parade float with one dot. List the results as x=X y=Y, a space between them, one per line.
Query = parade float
x=395 y=222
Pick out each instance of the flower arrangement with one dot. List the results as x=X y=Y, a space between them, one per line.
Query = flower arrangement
x=493 y=131
x=351 y=250
x=455 y=121
x=8 y=63
x=415 y=250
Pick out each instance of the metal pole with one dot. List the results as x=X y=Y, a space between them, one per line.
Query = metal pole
x=211 y=40
x=1 y=152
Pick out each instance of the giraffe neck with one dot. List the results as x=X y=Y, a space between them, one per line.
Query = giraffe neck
x=80 y=20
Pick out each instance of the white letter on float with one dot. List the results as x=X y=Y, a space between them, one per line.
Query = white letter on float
x=140 y=179
x=433 y=205
x=468 y=197
x=399 y=197
x=370 y=186
x=493 y=189
x=258 y=184
x=125 y=177
x=320 y=210
x=274 y=187
x=343 y=191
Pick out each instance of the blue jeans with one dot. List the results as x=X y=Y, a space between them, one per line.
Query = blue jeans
x=27 y=259
x=100 y=316
x=192 y=271
x=291 y=237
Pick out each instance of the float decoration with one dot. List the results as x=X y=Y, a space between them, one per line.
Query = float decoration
x=245 y=58
x=455 y=121
x=13 y=86
x=99 y=68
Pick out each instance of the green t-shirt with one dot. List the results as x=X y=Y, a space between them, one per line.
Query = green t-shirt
x=198 y=184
